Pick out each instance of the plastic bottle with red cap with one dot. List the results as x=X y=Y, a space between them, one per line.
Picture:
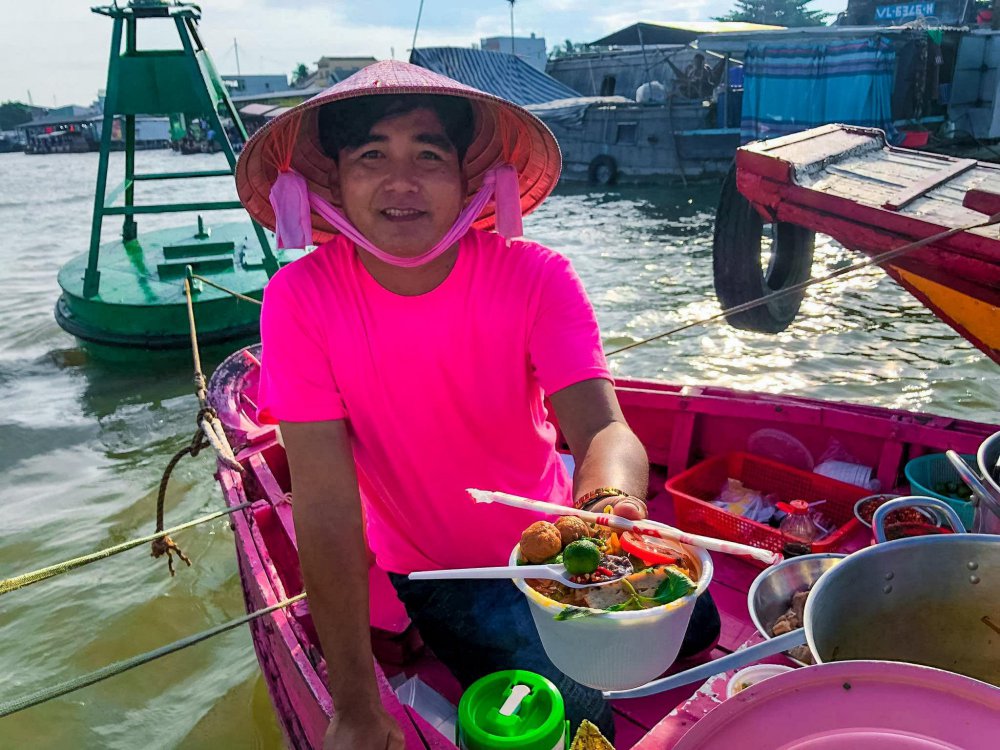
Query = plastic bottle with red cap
x=797 y=528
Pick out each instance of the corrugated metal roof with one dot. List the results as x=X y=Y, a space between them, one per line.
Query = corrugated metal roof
x=496 y=73
x=570 y=112
x=80 y=114
x=674 y=32
x=304 y=94
x=715 y=27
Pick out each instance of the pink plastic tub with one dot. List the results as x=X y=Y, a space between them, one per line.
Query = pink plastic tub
x=855 y=705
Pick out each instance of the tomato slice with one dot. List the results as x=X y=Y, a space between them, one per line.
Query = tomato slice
x=650 y=550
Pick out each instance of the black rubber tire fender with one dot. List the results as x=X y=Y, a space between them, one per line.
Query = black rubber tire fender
x=737 y=267
x=603 y=170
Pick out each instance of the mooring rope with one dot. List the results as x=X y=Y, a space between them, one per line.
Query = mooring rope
x=207 y=419
x=163 y=544
x=17 y=582
x=209 y=433
x=221 y=288
x=874 y=260
x=111 y=670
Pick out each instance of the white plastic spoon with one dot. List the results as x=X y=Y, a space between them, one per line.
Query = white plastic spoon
x=702 y=672
x=554 y=572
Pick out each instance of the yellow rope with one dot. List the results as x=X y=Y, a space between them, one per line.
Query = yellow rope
x=26 y=579
x=227 y=291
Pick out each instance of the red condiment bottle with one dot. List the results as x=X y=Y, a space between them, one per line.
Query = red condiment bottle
x=797 y=528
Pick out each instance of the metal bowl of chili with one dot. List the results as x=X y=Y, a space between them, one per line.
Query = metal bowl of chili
x=905 y=522
x=864 y=511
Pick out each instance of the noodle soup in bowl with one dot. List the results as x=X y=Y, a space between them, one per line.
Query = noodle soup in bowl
x=616 y=650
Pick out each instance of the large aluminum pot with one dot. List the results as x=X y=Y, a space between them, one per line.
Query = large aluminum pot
x=932 y=600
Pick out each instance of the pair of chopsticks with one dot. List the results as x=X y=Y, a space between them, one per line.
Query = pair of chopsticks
x=646 y=528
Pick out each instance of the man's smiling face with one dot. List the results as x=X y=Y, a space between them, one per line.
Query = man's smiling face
x=403 y=187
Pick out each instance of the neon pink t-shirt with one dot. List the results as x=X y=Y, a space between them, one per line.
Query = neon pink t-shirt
x=442 y=391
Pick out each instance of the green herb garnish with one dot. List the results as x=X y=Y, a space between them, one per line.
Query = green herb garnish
x=672 y=588
x=675 y=586
x=575 y=613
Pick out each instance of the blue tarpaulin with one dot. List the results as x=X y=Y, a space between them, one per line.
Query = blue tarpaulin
x=496 y=73
x=796 y=86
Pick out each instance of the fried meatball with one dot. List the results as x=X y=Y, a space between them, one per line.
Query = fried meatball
x=571 y=528
x=540 y=541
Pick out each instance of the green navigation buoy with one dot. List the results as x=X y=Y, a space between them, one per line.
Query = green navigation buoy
x=130 y=293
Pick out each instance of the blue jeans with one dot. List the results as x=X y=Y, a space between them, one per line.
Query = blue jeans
x=478 y=627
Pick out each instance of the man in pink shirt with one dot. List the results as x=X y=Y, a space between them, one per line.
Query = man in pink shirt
x=411 y=356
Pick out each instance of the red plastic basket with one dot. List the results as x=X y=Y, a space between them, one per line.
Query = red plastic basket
x=692 y=490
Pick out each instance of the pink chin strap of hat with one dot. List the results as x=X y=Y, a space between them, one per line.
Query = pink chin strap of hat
x=292 y=201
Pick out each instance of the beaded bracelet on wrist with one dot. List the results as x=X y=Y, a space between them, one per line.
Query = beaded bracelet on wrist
x=601 y=493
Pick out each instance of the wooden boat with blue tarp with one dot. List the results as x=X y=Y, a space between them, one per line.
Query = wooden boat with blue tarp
x=686 y=431
x=849 y=183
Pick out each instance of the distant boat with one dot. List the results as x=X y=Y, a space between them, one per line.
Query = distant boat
x=8 y=145
x=603 y=139
x=929 y=88
x=611 y=139
x=679 y=426
x=190 y=146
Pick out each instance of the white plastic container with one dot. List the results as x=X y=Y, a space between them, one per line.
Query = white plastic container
x=433 y=707
x=615 y=650
x=752 y=675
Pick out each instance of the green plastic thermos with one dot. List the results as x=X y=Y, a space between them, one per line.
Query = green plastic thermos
x=512 y=709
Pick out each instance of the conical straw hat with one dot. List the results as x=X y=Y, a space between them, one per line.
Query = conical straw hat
x=504 y=133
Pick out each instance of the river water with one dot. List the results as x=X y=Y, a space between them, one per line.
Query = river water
x=83 y=443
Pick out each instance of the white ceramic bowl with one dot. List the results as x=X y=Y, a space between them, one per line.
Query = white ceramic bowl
x=752 y=675
x=615 y=650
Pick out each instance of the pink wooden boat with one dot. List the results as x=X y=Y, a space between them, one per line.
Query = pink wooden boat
x=847 y=182
x=680 y=427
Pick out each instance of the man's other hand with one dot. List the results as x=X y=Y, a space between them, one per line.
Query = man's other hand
x=374 y=730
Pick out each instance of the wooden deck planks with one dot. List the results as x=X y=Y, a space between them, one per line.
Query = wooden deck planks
x=736 y=625
x=927 y=190
x=821 y=165
x=927 y=183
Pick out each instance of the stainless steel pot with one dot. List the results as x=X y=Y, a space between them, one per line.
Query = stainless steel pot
x=932 y=600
